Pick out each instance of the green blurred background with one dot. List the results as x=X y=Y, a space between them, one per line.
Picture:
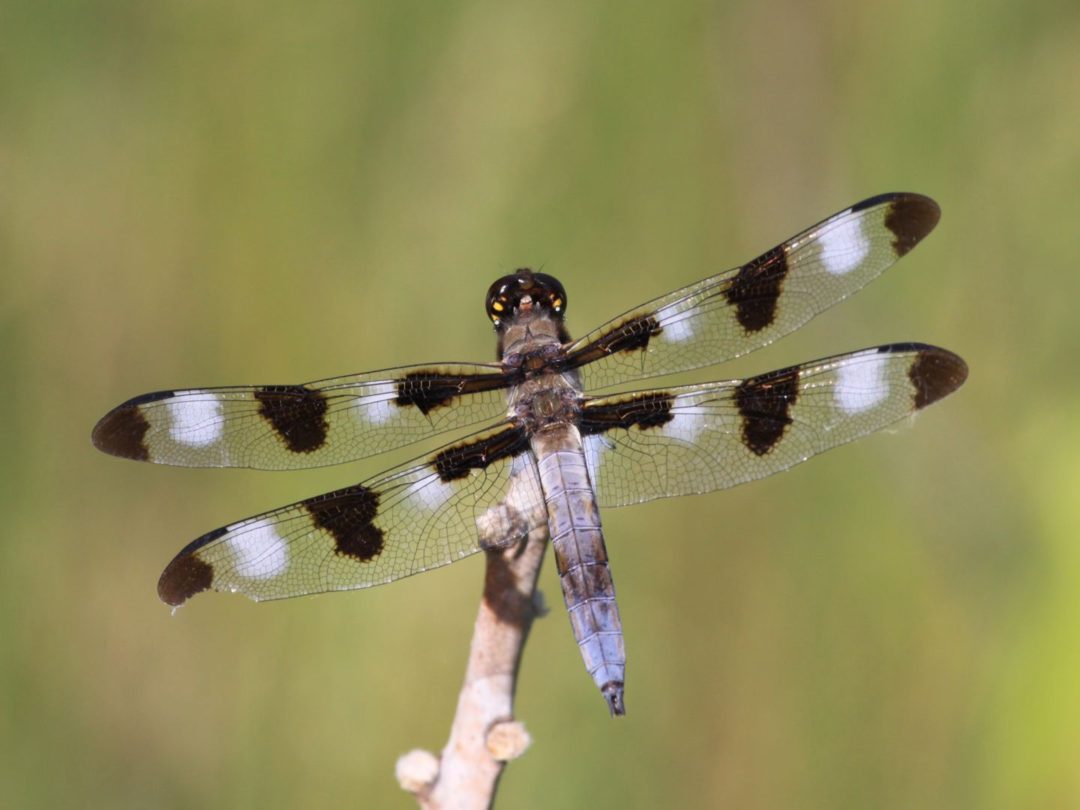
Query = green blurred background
x=201 y=193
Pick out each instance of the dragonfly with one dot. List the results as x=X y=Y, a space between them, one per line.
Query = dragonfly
x=562 y=438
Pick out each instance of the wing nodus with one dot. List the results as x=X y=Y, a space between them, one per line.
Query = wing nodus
x=581 y=559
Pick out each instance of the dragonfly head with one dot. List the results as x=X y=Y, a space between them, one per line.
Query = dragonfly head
x=522 y=292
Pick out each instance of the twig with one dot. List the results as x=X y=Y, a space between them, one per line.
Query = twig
x=484 y=736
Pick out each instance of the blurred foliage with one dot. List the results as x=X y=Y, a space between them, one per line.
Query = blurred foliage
x=202 y=193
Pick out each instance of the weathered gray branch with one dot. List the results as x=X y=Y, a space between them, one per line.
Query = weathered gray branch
x=484 y=735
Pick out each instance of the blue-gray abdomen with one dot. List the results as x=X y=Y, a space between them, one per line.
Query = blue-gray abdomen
x=578 y=540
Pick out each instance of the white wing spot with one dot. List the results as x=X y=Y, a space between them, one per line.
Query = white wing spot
x=195 y=420
x=861 y=382
x=844 y=245
x=689 y=422
x=260 y=551
x=679 y=330
x=595 y=447
x=430 y=494
x=381 y=406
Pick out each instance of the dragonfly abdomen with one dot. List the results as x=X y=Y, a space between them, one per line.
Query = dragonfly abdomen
x=582 y=561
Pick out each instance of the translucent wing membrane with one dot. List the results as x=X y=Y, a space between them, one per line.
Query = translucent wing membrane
x=484 y=490
x=481 y=492
x=699 y=438
x=741 y=310
x=280 y=427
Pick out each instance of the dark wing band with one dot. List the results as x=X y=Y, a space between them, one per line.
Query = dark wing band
x=284 y=427
x=481 y=492
x=699 y=438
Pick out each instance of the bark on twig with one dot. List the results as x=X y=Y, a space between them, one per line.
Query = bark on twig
x=484 y=736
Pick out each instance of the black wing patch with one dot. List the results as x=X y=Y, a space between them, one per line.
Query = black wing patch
x=764 y=403
x=348 y=516
x=644 y=410
x=458 y=460
x=755 y=290
x=428 y=390
x=297 y=414
x=629 y=336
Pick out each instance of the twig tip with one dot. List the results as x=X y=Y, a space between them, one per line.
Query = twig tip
x=417 y=771
x=507 y=740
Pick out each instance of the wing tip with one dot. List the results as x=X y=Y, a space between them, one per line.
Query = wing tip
x=908 y=215
x=935 y=374
x=187 y=574
x=184 y=577
x=911 y=217
x=122 y=431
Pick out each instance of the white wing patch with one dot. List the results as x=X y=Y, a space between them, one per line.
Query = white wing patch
x=260 y=551
x=844 y=245
x=196 y=420
x=688 y=423
x=861 y=383
x=380 y=410
x=679 y=330
x=595 y=446
x=429 y=494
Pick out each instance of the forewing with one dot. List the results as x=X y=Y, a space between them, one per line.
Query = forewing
x=282 y=427
x=700 y=438
x=478 y=493
x=741 y=310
